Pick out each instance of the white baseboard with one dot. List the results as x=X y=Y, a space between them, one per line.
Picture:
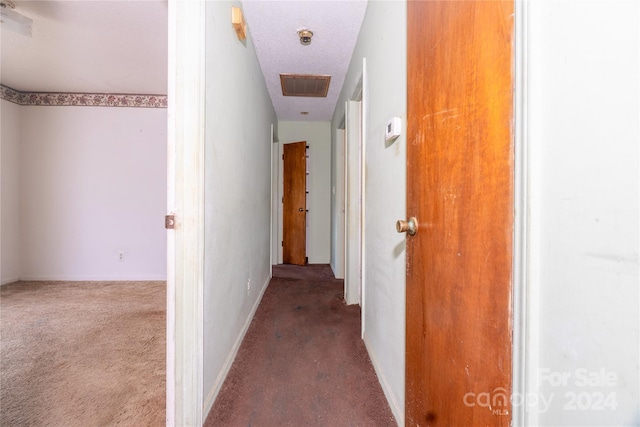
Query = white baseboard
x=398 y=412
x=217 y=385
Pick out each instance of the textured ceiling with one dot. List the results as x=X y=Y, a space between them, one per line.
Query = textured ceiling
x=273 y=27
x=88 y=46
x=119 y=46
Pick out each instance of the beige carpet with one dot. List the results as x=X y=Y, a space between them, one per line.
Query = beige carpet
x=82 y=354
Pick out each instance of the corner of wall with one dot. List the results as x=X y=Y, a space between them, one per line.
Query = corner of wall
x=211 y=396
x=396 y=409
x=10 y=206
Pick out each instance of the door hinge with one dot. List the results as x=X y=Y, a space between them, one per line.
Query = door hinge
x=283 y=157
x=282 y=244
x=170 y=222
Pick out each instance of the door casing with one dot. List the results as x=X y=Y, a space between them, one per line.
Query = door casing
x=353 y=204
x=185 y=199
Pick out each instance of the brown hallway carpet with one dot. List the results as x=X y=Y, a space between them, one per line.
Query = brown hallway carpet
x=302 y=362
x=82 y=354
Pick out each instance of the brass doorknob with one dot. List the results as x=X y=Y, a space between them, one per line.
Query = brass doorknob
x=300 y=209
x=410 y=226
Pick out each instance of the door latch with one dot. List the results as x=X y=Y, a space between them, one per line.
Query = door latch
x=170 y=222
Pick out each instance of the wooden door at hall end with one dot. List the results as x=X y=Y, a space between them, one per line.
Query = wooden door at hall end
x=460 y=190
x=294 y=215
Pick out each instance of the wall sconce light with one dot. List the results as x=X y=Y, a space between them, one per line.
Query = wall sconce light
x=238 y=23
x=305 y=37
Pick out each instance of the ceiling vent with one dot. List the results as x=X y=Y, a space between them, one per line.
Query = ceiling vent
x=311 y=85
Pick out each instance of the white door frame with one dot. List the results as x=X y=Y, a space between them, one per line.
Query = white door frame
x=364 y=107
x=185 y=199
x=274 y=199
x=339 y=200
x=355 y=131
x=525 y=334
x=353 y=250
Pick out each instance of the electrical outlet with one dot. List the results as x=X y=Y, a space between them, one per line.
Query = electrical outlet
x=121 y=256
x=248 y=284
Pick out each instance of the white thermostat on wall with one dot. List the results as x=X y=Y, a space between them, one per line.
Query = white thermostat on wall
x=392 y=131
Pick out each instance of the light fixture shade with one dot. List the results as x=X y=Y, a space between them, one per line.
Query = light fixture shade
x=305 y=37
x=13 y=21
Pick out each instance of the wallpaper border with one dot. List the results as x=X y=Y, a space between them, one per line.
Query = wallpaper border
x=82 y=99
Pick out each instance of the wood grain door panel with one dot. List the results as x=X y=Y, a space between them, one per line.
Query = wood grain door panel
x=294 y=204
x=460 y=189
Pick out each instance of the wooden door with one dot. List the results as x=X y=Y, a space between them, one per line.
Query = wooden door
x=294 y=226
x=460 y=189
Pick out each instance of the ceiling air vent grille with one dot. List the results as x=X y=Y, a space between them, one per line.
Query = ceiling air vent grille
x=313 y=85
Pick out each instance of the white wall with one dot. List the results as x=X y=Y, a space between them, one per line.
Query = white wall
x=10 y=200
x=318 y=137
x=239 y=115
x=583 y=119
x=382 y=41
x=92 y=184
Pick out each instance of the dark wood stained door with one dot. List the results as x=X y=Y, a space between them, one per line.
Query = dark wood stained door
x=460 y=189
x=294 y=204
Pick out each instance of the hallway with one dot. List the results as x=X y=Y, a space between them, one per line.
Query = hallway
x=302 y=361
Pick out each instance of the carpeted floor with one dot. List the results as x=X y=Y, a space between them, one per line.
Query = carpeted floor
x=93 y=354
x=82 y=354
x=302 y=362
